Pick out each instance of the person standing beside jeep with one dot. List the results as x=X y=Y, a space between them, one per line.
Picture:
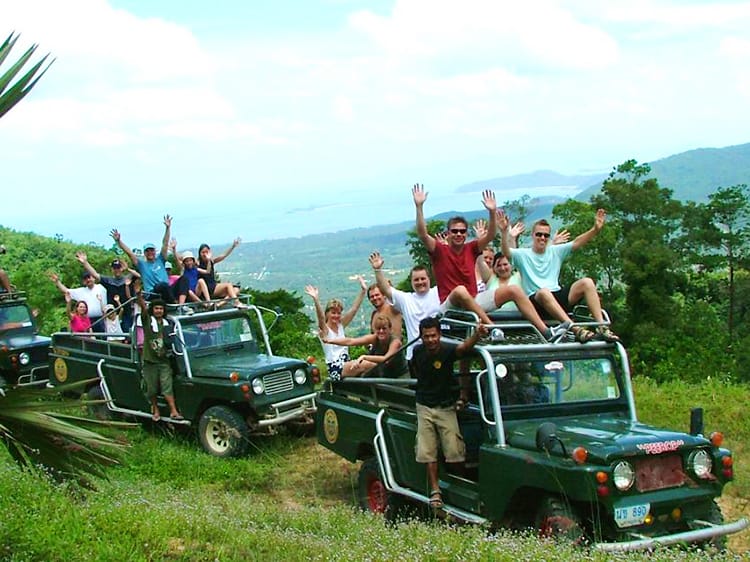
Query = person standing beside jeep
x=151 y=266
x=156 y=366
x=437 y=422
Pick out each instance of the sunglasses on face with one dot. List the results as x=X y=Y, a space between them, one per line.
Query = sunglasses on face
x=458 y=231
x=541 y=234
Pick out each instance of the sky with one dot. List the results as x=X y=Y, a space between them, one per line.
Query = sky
x=281 y=119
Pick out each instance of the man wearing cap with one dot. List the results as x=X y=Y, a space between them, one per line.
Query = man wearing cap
x=116 y=286
x=91 y=293
x=151 y=266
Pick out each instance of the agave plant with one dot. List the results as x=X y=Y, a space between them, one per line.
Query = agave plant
x=38 y=435
x=11 y=94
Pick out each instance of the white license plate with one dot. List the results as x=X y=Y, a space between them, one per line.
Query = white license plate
x=631 y=515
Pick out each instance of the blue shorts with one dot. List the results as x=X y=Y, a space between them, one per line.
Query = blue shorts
x=335 y=368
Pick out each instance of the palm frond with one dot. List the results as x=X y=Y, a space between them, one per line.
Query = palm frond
x=37 y=435
x=10 y=95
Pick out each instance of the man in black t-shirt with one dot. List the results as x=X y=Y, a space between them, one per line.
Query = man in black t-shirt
x=437 y=424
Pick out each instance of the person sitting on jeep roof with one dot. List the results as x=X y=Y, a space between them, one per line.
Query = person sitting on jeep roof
x=156 y=366
x=432 y=366
x=383 y=360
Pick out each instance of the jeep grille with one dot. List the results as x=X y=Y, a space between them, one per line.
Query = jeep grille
x=655 y=473
x=278 y=382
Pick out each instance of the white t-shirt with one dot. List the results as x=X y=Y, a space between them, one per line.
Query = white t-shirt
x=89 y=297
x=415 y=308
x=334 y=352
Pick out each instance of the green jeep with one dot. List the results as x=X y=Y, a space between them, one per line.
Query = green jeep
x=23 y=352
x=227 y=381
x=553 y=442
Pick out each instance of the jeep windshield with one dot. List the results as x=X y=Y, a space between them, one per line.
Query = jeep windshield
x=557 y=380
x=222 y=335
x=15 y=317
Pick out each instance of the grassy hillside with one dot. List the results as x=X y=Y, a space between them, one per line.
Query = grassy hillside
x=290 y=499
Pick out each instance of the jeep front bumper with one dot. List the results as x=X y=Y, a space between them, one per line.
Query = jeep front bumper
x=280 y=412
x=708 y=532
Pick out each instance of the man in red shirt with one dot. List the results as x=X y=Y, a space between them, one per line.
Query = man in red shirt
x=453 y=263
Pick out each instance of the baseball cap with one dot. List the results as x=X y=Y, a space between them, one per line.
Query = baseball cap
x=85 y=274
x=149 y=246
x=187 y=255
x=116 y=263
x=109 y=308
x=168 y=265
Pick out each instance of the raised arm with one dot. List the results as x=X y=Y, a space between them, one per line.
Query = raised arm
x=55 y=278
x=377 y=262
x=167 y=236
x=115 y=234
x=348 y=316
x=586 y=237
x=503 y=224
x=81 y=257
x=315 y=294
x=175 y=253
x=488 y=200
x=484 y=271
x=420 y=196
x=222 y=257
x=69 y=305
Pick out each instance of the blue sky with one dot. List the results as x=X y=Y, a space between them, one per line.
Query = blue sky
x=274 y=119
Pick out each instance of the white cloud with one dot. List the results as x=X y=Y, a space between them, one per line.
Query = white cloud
x=735 y=47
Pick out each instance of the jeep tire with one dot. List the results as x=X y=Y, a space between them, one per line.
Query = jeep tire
x=556 y=520
x=98 y=411
x=223 y=432
x=373 y=495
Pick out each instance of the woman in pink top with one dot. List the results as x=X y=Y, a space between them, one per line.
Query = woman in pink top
x=79 y=317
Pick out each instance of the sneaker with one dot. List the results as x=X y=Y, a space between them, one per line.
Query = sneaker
x=186 y=310
x=496 y=335
x=556 y=333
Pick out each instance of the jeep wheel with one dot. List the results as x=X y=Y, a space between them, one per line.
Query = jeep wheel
x=98 y=411
x=373 y=495
x=715 y=517
x=556 y=520
x=223 y=432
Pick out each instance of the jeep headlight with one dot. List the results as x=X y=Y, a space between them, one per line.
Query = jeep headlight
x=623 y=475
x=258 y=387
x=300 y=376
x=700 y=463
x=24 y=358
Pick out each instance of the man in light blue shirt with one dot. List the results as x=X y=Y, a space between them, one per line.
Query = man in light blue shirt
x=540 y=269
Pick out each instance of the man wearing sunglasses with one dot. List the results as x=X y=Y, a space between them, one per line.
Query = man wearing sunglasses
x=453 y=264
x=540 y=269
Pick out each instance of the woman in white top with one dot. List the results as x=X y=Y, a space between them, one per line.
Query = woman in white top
x=332 y=322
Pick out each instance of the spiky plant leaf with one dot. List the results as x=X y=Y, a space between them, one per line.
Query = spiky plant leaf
x=10 y=96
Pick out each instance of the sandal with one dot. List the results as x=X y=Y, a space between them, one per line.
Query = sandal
x=582 y=334
x=156 y=416
x=604 y=333
x=436 y=499
x=176 y=417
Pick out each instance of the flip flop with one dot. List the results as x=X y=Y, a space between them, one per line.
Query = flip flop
x=177 y=417
x=156 y=416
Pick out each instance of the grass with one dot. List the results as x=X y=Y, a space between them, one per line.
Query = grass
x=289 y=499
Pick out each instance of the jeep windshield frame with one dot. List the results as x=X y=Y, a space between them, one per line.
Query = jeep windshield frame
x=234 y=331
x=16 y=316
x=554 y=367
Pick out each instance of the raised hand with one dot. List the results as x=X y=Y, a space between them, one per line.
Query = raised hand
x=81 y=257
x=172 y=244
x=312 y=291
x=517 y=229
x=237 y=242
x=362 y=282
x=503 y=221
x=419 y=194
x=601 y=216
x=115 y=234
x=480 y=228
x=441 y=238
x=54 y=277
x=561 y=236
x=376 y=260
x=488 y=200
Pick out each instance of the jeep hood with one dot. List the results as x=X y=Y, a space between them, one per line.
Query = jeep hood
x=604 y=437
x=21 y=340
x=247 y=365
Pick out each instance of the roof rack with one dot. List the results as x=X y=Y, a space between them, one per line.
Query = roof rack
x=13 y=295
x=189 y=308
x=460 y=324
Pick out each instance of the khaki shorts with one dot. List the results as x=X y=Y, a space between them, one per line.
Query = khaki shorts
x=438 y=426
x=155 y=375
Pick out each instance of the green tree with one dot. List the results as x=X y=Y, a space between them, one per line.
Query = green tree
x=648 y=221
x=417 y=249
